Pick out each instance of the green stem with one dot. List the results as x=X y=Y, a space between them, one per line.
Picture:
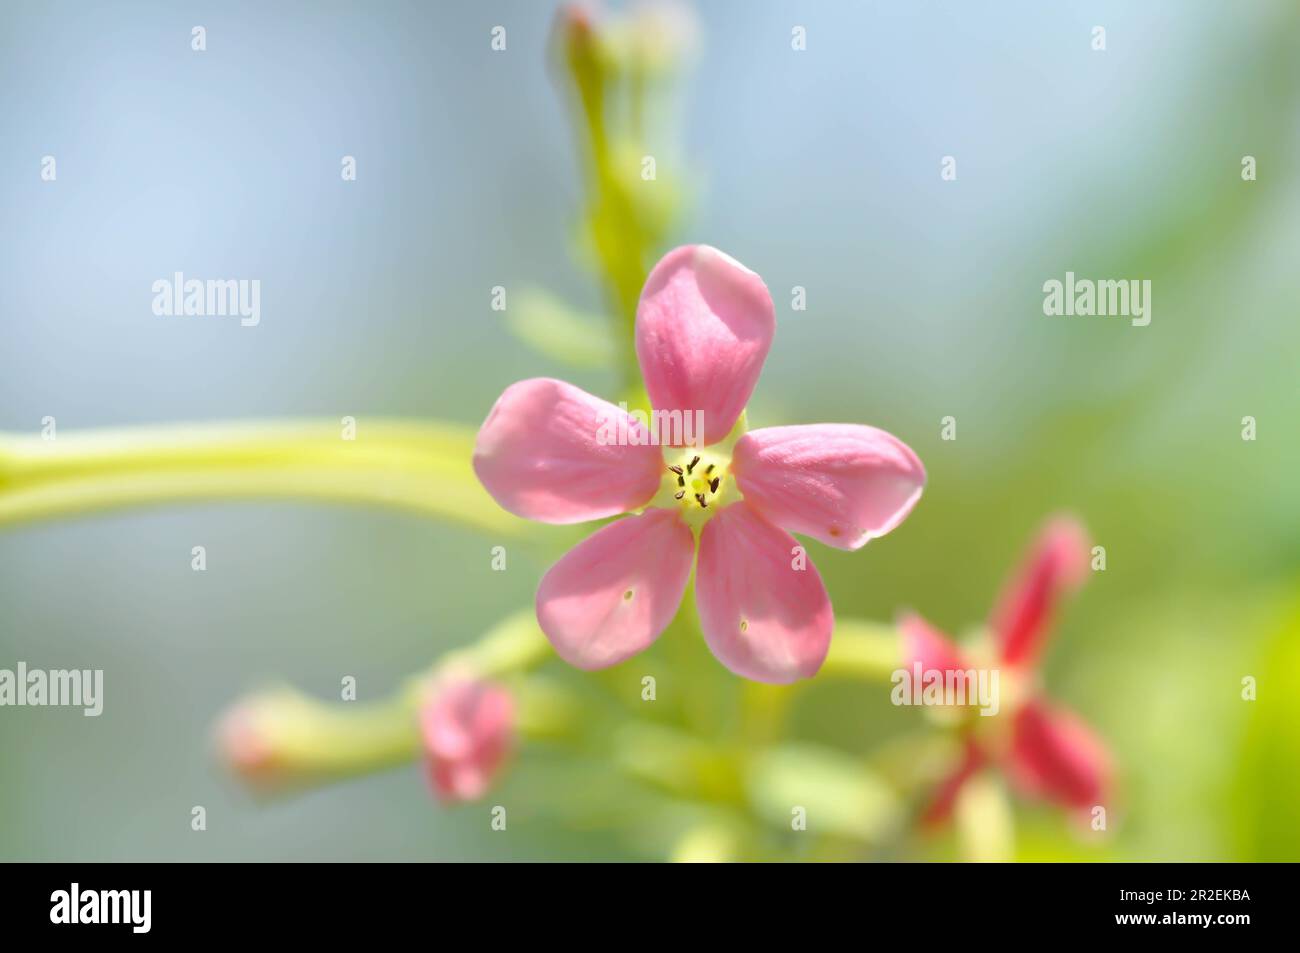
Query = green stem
x=284 y=741
x=865 y=651
x=614 y=225
x=418 y=466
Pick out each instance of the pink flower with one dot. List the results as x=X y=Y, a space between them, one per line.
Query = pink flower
x=704 y=326
x=468 y=730
x=1047 y=750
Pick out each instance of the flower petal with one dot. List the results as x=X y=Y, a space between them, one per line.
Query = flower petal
x=468 y=729
x=925 y=644
x=842 y=484
x=1055 y=755
x=703 y=328
x=944 y=798
x=1057 y=564
x=612 y=595
x=550 y=451
x=763 y=617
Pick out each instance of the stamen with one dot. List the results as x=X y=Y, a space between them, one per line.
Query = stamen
x=677 y=470
x=690 y=467
x=713 y=485
x=703 y=503
x=681 y=481
x=678 y=495
x=708 y=469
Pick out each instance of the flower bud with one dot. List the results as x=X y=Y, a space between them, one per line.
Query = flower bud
x=467 y=726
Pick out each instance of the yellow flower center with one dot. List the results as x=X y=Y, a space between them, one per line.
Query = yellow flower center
x=697 y=482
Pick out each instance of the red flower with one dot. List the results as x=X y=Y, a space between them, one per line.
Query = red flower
x=1047 y=751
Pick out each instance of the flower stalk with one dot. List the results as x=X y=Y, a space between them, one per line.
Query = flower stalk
x=282 y=740
x=417 y=466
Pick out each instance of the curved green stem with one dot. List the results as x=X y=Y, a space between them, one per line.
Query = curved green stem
x=417 y=466
x=280 y=740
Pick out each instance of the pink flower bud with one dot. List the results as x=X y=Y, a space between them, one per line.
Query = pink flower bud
x=245 y=739
x=468 y=729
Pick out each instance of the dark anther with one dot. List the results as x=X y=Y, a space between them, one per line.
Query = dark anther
x=700 y=498
x=708 y=469
x=677 y=470
x=678 y=496
x=714 y=485
x=690 y=467
x=681 y=481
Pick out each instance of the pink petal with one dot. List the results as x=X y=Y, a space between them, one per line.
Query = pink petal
x=550 y=451
x=1057 y=564
x=842 y=484
x=763 y=618
x=612 y=595
x=925 y=644
x=468 y=731
x=1055 y=755
x=459 y=782
x=703 y=328
x=944 y=798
